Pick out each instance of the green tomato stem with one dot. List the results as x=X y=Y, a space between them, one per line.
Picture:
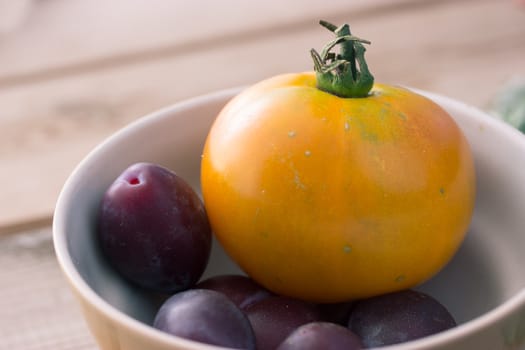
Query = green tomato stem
x=344 y=74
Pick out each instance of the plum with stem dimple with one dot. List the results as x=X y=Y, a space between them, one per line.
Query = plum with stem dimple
x=153 y=229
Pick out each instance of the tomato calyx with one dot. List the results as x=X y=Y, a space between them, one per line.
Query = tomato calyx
x=346 y=73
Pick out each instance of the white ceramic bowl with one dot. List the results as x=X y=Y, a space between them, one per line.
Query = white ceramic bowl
x=483 y=286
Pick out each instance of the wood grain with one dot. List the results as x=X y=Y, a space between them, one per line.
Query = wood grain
x=38 y=311
x=72 y=35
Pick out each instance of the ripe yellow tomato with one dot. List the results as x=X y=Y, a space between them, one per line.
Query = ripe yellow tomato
x=327 y=199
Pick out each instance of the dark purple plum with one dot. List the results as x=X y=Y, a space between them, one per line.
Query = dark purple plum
x=205 y=316
x=242 y=290
x=321 y=335
x=275 y=317
x=398 y=317
x=154 y=230
x=336 y=312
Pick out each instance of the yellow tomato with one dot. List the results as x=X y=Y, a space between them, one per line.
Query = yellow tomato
x=327 y=199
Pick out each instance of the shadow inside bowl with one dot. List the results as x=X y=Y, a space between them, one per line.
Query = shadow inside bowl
x=469 y=285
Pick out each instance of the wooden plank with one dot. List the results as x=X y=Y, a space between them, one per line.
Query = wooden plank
x=465 y=50
x=75 y=34
x=39 y=311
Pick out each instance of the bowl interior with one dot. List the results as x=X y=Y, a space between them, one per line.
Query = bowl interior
x=484 y=273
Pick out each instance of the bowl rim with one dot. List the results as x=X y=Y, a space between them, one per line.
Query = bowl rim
x=84 y=291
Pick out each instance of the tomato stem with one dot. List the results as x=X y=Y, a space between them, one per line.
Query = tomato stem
x=344 y=74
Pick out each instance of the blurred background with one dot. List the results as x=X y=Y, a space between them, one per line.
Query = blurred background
x=73 y=72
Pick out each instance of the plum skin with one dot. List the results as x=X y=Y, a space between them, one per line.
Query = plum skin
x=321 y=335
x=153 y=229
x=398 y=317
x=206 y=316
x=242 y=290
x=275 y=317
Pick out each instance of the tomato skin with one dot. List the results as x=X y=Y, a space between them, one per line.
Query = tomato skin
x=328 y=199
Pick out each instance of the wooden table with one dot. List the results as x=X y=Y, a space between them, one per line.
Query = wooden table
x=73 y=72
